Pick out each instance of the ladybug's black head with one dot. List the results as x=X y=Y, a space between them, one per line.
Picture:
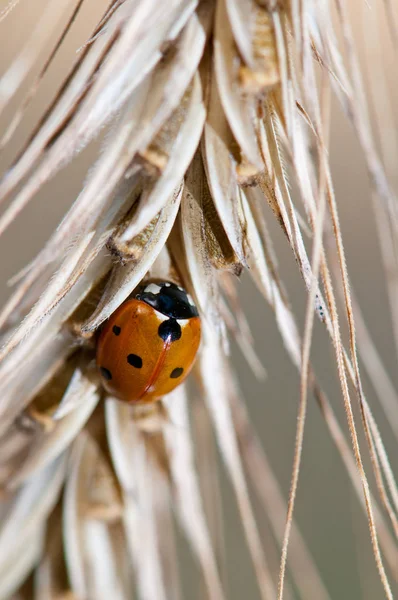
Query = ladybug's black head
x=169 y=299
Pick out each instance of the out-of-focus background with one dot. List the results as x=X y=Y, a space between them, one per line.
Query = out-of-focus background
x=327 y=510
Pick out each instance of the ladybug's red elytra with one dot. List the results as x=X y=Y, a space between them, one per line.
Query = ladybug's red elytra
x=149 y=344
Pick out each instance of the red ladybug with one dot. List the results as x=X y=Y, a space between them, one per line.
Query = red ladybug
x=149 y=344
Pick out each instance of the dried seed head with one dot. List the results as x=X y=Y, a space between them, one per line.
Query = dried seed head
x=210 y=108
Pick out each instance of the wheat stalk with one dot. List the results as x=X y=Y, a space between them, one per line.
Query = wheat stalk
x=205 y=110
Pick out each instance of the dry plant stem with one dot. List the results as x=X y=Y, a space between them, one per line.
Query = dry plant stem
x=358 y=384
x=353 y=371
x=40 y=35
x=385 y=537
x=52 y=161
x=333 y=329
x=36 y=84
x=37 y=143
x=388 y=399
x=212 y=360
x=62 y=139
x=140 y=521
x=353 y=433
x=99 y=30
x=303 y=569
x=388 y=544
x=338 y=437
x=364 y=563
x=375 y=368
x=207 y=463
x=306 y=346
x=361 y=123
x=347 y=299
x=375 y=461
x=41 y=310
x=353 y=376
x=293 y=346
x=379 y=455
x=344 y=360
x=341 y=356
x=191 y=514
x=166 y=535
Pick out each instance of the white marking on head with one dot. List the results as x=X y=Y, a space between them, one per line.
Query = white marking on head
x=182 y=322
x=191 y=302
x=167 y=284
x=161 y=317
x=180 y=288
x=152 y=288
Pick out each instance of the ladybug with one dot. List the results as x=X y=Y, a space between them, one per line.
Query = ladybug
x=149 y=344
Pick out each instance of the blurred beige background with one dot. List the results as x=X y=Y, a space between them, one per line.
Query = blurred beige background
x=326 y=510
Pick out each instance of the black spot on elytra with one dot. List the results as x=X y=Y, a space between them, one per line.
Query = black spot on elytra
x=106 y=374
x=135 y=361
x=177 y=372
x=169 y=330
x=116 y=330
